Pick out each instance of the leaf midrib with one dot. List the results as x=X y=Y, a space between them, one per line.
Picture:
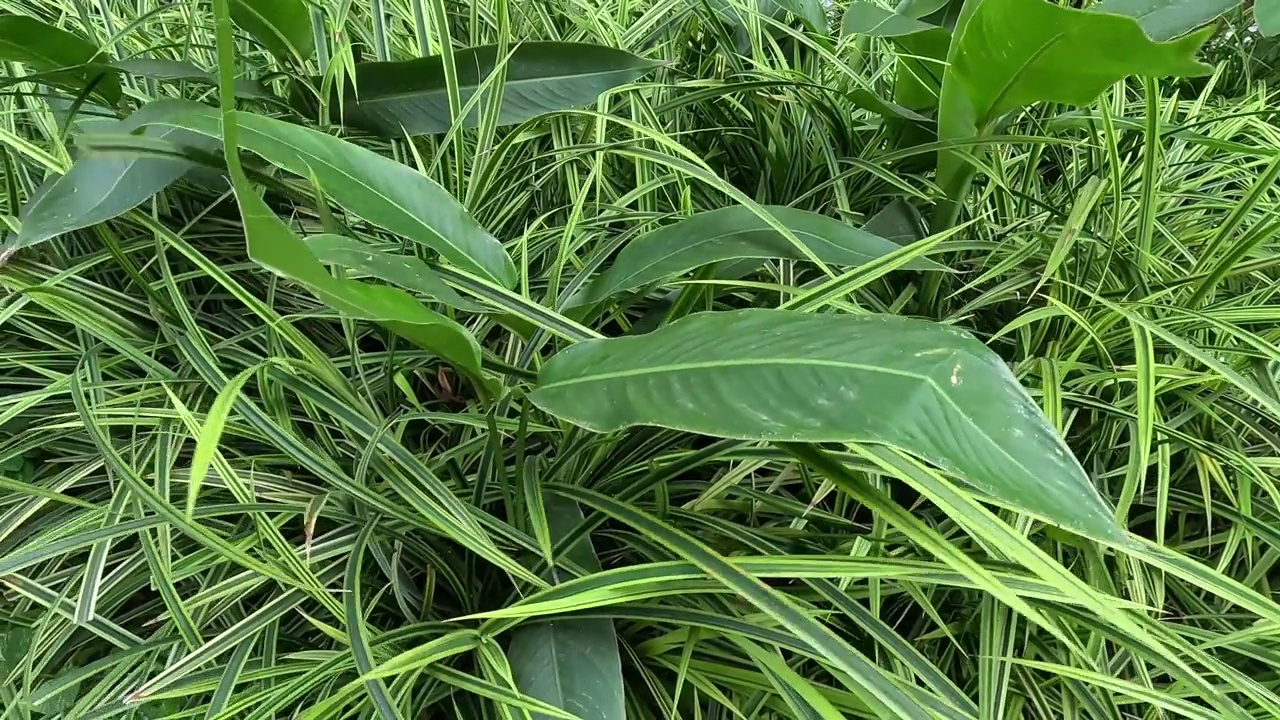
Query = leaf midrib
x=714 y=364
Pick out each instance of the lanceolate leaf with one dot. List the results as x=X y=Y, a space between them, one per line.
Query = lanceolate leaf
x=411 y=96
x=282 y=26
x=1168 y=19
x=378 y=189
x=405 y=271
x=926 y=388
x=733 y=233
x=572 y=664
x=46 y=48
x=1007 y=54
x=180 y=70
x=272 y=245
x=100 y=186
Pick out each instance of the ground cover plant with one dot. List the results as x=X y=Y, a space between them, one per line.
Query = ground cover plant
x=639 y=359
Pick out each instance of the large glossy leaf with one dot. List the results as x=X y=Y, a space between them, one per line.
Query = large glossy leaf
x=929 y=389
x=734 y=233
x=378 y=189
x=63 y=57
x=1168 y=19
x=282 y=26
x=572 y=664
x=1007 y=54
x=102 y=186
x=411 y=96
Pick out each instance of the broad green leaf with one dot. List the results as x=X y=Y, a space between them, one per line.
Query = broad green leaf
x=406 y=271
x=1266 y=13
x=167 y=70
x=929 y=389
x=899 y=221
x=733 y=233
x=572 y=664
x=411 y=96
x=282 y=26
x=63 y=56
x=272 y=245
x=1007 y=54
x=1167 y=19
x=380 y=190
x=102 y=186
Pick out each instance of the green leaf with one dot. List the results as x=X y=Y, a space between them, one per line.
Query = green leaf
x=412 y=96
x=923 y=47
x=404 y=270
x=867 y=18
x=732 y=233
x=1007 y=54
x=64 y=56
x=1168 y=19
x=15 y=642
x=1266 y=13
x=282 y=26
x=384 y=192
x=929 y=389
x=102 y=186
x=167 y=70
x=272 y=245
x=899 y=221
x=572 y=664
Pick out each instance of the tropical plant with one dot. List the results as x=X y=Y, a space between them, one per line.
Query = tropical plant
x=595 y=360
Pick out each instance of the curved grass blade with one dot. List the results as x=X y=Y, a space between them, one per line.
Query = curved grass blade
x=861 y=676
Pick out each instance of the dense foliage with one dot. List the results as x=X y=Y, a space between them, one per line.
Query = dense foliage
x=613 y=359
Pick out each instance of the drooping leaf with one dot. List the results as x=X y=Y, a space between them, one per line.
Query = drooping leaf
x=1168 y=19
x=164 y=69
x=929 y=389
x=272 y=245
x=99 y=186
x=572 y=664
x=380 y=190
x=1007 y=54
x=282 y=26
x=733 y=233
x=405 y=271
x=541 y=77
x=65 y=58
